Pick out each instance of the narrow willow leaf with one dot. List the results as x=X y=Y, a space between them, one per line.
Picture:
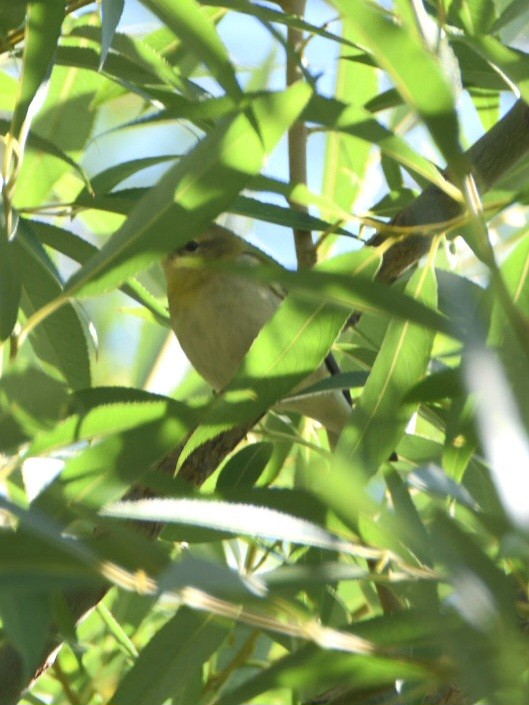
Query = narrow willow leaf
x=192 y=25
x=360 y=123
x=39 y=555
x=245 y=519
x=188 y=192
x=26 y=620
x=298 y=577
x=61 y=340
x=126 y=73
x=111 y=11
x=43 y=29
x=475 y=16
x=37 y=143
x=107 y=180
x=381 y=414
x=213 y=578
x=268 y=14
x=10 y=287
x=102 y=473
x=515 y=273
x=512 y=64
x=487 y=104
x=65 y=121
x=502 y=431
x=272 y=213
x=416 y=72
x=347 y=156
x=244 y=468
x=513 y=12
x=433 y=480
x=468 y=564
x=80 y=251
x=106 y=416
x=170 y=666
x=408 y=523
x=353 y=289
x=30 y=402
x=130 y=50
x=318 y=669
x=440 y=385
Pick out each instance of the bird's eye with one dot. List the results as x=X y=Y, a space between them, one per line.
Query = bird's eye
x=191 y=246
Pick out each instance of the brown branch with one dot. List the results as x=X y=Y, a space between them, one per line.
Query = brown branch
x=492 y=156
x=297 y=135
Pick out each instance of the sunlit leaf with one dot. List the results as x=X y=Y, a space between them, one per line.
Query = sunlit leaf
x=110 y=15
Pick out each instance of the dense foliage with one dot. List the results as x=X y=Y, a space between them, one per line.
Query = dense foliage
x=269 y=569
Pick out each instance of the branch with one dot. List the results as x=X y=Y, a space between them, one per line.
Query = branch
x=297 y=135
x=492 y=156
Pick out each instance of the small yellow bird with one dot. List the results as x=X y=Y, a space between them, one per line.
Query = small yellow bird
x=216 y=315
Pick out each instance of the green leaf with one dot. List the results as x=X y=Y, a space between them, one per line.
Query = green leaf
x=61 y=339
x=105 y=181
x=487 y=104
x=415 y=71
x=10 y=287
x=65 y=121
x=30 y=402
x=474 y=16
x=462 y=556
x=80 y=250
x=268 y=14
x=341 y=380
x=105 y=411
x=360 y=123
x=192 y=25
x=382 y=413
x=440 y=385
x=512 y=12
x=347 y=156
x=408 y=524
x=170 y=666
x=298 y=577
x=30 y=562
x=513 y=64
x=43 y=28
x=26 y=619
x=102 y=472
x=12 y=16
x=355 y=290
x=435 y=482
x=134 y=56
x=484 y=598
x=36 y=143
x=137 y=77
x=189 y=192
x=212 y=578
x=290 y=218
x=245 y=519
x=244 y=468
x=315 y=669
x=111 y=11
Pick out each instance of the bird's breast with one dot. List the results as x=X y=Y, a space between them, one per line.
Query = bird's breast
x=218 y=320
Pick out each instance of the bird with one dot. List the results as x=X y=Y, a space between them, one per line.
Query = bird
x=216 y=314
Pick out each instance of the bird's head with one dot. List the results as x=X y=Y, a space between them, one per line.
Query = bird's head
x=214 y=245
